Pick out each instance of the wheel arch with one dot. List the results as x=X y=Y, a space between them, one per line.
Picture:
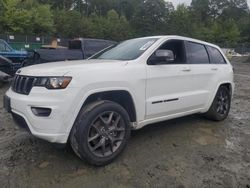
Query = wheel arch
x=121 y=97
x=109 y=94
x=230 y=87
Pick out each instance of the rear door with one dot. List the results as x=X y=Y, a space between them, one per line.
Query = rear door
x=219 y=67
x=218 y=63
x=203 y=72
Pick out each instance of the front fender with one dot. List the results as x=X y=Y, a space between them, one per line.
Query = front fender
x=85 y=92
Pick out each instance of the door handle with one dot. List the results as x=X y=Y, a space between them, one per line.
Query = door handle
x=186 y=69
x=214 y=69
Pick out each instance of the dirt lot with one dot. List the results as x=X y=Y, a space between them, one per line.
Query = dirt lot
x=187 y=152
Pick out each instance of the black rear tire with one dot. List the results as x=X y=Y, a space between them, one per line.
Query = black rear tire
x=220 y=107
x=101 y=132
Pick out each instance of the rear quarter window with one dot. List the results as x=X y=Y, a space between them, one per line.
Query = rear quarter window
x=215 y=56
x=196 y=53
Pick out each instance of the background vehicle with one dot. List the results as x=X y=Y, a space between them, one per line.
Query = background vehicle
x=16 y=56
x=7 y=67
x=78 y=49
x=95 y=103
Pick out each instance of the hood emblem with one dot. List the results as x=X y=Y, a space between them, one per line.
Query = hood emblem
x=18 y=72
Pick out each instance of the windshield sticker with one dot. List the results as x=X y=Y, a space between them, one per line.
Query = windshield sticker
x=147 y=45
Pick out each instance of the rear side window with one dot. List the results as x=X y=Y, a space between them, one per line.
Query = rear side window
x=196 y=53
x=216 y=56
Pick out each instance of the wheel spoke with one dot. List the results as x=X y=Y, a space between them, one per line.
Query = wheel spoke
x=117 y=139
x=221 y=95
x=225 y=108
x=222 y=103
x=111 y=144
x=107 y=122
x=114 y=140
x=117 y=121
x=99 y=144
x=119 y=129
x=94 y=137
x=103 y=147
x=115 y=126
x=96 y=128
x=218 y=109
x=103 y=120
x=110 y=117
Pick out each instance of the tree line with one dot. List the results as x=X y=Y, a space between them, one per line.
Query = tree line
x=224 y=22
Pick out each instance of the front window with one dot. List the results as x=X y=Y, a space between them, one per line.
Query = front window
x=127 y=50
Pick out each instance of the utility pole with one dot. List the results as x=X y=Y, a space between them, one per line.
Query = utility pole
x=87 y=7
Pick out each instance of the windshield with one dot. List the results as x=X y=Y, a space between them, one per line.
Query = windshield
x=127 y=50
x=4 y=47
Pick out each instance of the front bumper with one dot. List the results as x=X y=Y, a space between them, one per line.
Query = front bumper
x=20 y=121
x=54 y=128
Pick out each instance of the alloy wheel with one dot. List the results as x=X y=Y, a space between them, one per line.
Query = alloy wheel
x=106 y=134
x=222 y=103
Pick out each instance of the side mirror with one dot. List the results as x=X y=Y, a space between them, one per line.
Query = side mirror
x=167 y=54
x=162 y=57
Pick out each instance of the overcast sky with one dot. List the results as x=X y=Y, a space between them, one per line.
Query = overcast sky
x=176 y=2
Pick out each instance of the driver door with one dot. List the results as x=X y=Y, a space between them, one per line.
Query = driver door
x=170 y=88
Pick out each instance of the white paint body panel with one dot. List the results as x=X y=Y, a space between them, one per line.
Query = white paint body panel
x=195 y=90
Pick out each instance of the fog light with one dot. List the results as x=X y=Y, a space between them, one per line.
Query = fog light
x=41 y=112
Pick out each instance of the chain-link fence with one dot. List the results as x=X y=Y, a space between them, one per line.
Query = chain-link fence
x=35 y=42
x=31 y=42
x=243 y=48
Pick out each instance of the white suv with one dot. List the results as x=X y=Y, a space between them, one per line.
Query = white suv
x=94 y=103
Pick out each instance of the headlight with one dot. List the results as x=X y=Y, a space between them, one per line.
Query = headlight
x=53 y=82
x=58 y=82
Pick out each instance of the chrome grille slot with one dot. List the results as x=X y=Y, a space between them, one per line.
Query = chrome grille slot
x=22 y=84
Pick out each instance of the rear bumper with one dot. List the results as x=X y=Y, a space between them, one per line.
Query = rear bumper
x=54 y=128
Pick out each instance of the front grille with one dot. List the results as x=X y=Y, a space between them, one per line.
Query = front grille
x=22 y=84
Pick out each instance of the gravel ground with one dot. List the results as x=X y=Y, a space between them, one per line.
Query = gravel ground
x=186 y=152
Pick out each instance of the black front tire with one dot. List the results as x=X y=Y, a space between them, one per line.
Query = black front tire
x=80 y=134
x=220 y=107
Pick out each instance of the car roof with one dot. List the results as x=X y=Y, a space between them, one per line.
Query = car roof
x=164 y=37
x=93 y=39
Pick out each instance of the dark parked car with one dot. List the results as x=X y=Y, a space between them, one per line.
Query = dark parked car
x=16 y=56
x=77 y=49
x=7 y=66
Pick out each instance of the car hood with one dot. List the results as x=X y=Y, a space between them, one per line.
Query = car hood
x=15 y=53
x=65 y=67
x=21 y=52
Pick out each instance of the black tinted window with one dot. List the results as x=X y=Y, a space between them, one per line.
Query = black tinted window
x=216 y=57
x=197 y=53
x=178 y=49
